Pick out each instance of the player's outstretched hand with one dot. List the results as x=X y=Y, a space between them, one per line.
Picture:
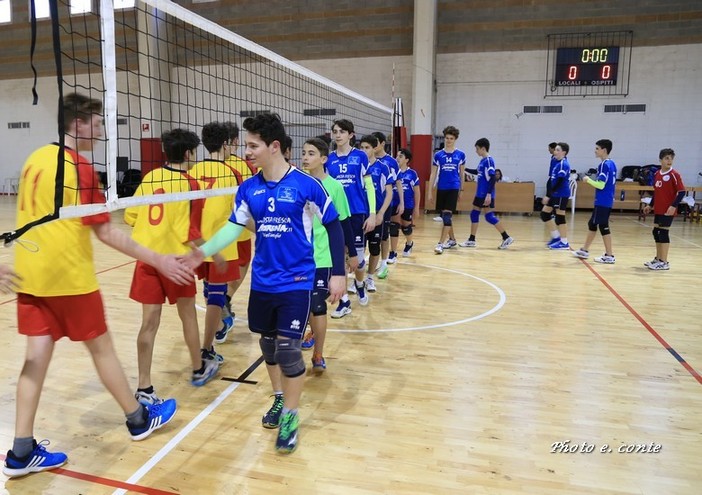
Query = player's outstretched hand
x=194 y=258
x=174 y=269
x=337 y=287
x=8 y=279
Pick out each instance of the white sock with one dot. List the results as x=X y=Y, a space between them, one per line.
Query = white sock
x=555 y=234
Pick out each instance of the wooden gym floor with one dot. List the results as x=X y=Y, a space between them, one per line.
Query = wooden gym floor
x=461 y=376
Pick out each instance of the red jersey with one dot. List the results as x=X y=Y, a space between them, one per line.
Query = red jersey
x=666 y=186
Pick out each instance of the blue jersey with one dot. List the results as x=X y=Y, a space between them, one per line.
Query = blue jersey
x=486 y=171
x=561 y=170
x=283 y=213
x=448 y=171
x=408 y=179
x=607 y=173
x=394 y=170
x=381 y=175
x=350 y=170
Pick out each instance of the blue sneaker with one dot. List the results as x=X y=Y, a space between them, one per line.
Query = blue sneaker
x=272 y=418
x=221 y=334
x=308 y=341
x=211 y=368
x=319 y=365
x=212 y=355
x=286 y=442
x=159 y=415
x=37 y=460
x=559 y=246
x=552 y=242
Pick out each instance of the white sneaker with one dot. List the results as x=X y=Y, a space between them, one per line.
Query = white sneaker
x=582 y=254
x=605 y=258
x=343 y=309
x=505 y=243
x=439 y=248
x=351 y=289
x=438 y=219
x=370 y=284
x=661 y=265
x=450 y=243
x=652 y=262
x=468 y=244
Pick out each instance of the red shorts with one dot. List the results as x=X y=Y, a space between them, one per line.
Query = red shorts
x=79 y=318
x=149 y=286
x=244 y=248
x=209 y=272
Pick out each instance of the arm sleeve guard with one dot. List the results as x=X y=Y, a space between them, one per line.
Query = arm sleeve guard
x=223 y=238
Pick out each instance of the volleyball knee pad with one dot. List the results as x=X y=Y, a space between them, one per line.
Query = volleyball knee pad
x=407 y=229
x=395 y=229
x=446 y=217
x=604 y=229
x=663 y=236
x=591 y=226
x=288 y=355
x=374 y=247
x=491 y=218
x=267 y=345
x=656 y=234
x=216 y=295
x=560 y=219
x=474 y=216
x=318 y=303
x=545 y=217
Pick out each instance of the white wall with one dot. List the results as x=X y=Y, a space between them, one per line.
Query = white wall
x=481 y=93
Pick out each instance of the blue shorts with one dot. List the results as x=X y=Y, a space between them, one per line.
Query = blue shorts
x=359 y=237
x=600 y=215
x=282 y=313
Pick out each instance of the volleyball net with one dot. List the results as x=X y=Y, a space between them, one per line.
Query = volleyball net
x=158 y=66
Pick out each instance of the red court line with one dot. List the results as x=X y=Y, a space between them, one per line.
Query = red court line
x=646 y=325
x=105 y=481
x=96 y=273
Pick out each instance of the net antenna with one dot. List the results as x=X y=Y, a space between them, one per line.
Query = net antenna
x=158 y=66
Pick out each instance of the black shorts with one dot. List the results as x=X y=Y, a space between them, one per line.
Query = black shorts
x=663 y=220
x=558 y=203
x=446 y=199
x=395 y=209
x=479 y=202
x=600 y=215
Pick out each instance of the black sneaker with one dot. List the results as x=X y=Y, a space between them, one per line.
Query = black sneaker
x=272 y=418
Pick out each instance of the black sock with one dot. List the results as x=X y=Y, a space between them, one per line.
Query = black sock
x=147 y=390
x=505 y=235
x=471 y=238
x=202 y=367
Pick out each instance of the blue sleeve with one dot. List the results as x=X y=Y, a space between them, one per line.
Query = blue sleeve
x=348 y=237
x=336 y=247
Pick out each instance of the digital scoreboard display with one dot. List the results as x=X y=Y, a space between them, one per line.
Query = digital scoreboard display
x=587 y=66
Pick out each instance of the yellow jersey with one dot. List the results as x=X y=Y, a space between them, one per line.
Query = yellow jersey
x=62 y=264
x=216 y=174
x=246 y=172
x=166 y=227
